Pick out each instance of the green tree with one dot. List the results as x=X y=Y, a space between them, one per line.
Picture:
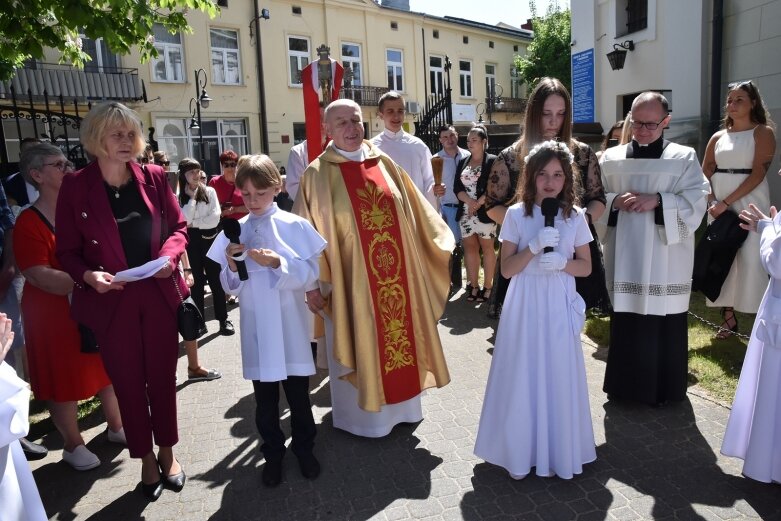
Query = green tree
x=549 y=52
x=28 y=27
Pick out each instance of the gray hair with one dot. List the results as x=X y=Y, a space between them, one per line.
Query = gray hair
x=33 y=158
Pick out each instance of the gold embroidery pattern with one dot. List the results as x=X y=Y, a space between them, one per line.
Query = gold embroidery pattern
x=386 y=263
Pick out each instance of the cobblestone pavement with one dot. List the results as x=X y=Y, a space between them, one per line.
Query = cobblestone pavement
x=651 y=463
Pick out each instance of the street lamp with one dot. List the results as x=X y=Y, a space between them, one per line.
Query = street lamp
x=201 y=99
x=492 y=102
x=618 y=56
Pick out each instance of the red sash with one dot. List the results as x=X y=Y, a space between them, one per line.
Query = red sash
x=383 y=250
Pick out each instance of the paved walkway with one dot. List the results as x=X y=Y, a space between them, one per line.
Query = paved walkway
x=651 y=463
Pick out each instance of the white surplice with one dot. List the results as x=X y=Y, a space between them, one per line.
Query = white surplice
x=275 y=322
x=651 y=275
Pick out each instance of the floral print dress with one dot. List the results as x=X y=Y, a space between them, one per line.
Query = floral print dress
x=470 y=224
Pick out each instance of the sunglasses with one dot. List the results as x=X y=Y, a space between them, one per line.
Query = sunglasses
x=229 y=165
x=162 y=163
x=145 y=160
x=739 y=84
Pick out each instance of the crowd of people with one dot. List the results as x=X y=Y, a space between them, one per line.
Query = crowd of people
x=364 y=262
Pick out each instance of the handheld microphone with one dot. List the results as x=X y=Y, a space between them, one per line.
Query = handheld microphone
x=549 y=207
x=232 y=230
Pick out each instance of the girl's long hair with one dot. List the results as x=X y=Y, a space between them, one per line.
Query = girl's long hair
x=538 y=158
x=759 y=113
x=532 y=128
x=201 y=195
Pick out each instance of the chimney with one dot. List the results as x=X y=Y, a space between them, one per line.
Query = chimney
x=398 y=4
x=528 y=25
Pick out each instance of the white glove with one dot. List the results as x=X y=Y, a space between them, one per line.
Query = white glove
x=553 y=261
x=548 y=237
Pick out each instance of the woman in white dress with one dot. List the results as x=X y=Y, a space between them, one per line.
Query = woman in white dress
x=755 y=421
x=536 y=409
x=736 y=162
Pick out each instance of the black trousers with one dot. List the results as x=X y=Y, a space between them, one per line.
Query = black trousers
x=301 y=420
x=205 y=269
x=648 y=358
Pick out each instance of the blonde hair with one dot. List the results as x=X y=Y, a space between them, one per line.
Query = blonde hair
x=258 y=169
x=104 y=117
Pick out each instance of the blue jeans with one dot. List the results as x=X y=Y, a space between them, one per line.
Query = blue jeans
x=449 y=215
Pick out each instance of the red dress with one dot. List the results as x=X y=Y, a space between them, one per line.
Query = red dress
x=59 y=371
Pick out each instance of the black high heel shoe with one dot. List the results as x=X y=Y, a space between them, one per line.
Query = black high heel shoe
x=730 y=324
x=472 y=292
x=153 y=491
x=174 y=482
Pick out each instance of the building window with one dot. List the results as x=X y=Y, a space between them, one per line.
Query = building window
x=394 y=63
x=222 y=3
x=395 y=26
x=631 y=16
x=515 y=48
x=299 y=133
x=179 y=141
x=167 y=66
x=298 y=57
x=466 y=39
x=436 y=72
x=516 y=83
x=103 y=60
x=436 y=33
x=296 y=9
x=490 y=79
x=490 y=44
x=226 y=68
x=351 y=59
x=465 y=77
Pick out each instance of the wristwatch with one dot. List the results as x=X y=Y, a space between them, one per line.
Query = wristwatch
x=658 y=199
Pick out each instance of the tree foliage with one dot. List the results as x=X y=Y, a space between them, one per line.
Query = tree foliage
x=549 y=52
x=28 y=27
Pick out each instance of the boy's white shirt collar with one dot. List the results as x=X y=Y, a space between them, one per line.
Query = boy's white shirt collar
x=393 y=135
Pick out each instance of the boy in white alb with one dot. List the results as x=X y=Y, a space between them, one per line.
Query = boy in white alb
x=280 y=251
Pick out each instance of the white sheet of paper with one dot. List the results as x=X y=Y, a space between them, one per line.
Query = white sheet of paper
x=141 y=272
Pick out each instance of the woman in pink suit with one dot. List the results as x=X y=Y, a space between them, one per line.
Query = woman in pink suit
x=113 y=215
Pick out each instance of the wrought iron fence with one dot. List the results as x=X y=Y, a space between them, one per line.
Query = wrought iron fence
x=363 y=95
x=53 y=119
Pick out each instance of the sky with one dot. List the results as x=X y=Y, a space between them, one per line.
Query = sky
x=513 y=12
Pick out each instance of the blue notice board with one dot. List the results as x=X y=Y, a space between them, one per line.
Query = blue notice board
x=583 y=86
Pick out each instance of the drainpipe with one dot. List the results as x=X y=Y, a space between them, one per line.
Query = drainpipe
x=264 y=148
x=715 y=75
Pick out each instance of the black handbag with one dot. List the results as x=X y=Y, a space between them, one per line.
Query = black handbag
x=188 y=318
x=89 y=344
x=715 y=253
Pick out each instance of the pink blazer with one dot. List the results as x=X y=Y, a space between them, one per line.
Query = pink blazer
x=88 y=238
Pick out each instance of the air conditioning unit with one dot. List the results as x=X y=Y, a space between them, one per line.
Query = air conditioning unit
x=413 y=107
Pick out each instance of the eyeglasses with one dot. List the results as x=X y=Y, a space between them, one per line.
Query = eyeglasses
x=61 y=165
x=145 y=160
x=162 y=163
x=637 y=125
x=229 y=165
x=202 y=178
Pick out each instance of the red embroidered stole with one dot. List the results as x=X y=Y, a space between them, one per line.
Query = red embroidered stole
x=383 y=250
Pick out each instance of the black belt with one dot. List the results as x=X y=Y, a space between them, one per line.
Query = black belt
x=451 y=205
x=207 y=233
x=734 y=170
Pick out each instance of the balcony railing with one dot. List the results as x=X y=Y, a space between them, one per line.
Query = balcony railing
x=363 y=95
x=514 y=105
x=106 y=83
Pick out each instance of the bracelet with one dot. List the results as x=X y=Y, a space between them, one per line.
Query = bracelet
x=188 y=269
x=725 y=203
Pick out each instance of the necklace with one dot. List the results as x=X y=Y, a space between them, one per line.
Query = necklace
x=116 y=189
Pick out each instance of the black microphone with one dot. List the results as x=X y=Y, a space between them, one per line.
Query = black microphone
x=232 y=230
x=550 y=207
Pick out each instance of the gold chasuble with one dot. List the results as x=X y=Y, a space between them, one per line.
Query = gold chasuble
x=384 y=273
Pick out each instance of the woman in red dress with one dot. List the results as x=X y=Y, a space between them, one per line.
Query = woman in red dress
x=59 y=372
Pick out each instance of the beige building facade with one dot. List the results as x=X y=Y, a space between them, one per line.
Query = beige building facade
x=248 y=60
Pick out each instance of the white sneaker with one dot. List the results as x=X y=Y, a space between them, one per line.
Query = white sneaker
x=81 y=458
x=117 y=437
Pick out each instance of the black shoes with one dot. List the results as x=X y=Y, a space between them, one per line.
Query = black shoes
x=310 y=467
x=202 y=331
x=272 y=473
x=175 y=482
x=33 y=451
x=226 y=328
x=152 y=491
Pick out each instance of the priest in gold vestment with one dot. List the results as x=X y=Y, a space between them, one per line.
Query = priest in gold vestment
x=384 y=279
